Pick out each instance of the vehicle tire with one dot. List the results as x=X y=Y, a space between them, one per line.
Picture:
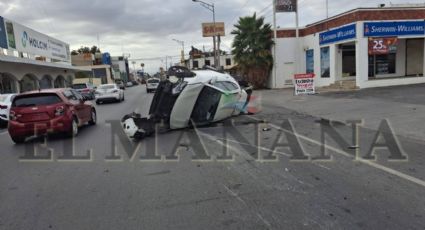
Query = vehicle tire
x=93 y=118
x=98 y=102
x=73 y=132
x=18 y=140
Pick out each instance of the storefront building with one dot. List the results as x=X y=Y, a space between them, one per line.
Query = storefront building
x=30 y=60
x=368 y=47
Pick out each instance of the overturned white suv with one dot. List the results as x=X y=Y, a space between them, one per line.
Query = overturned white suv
x=190 y=98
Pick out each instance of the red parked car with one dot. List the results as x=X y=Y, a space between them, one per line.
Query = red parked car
x=49 y=111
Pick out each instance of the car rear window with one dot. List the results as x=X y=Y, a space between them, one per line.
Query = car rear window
x=153 y=81
x=107 y=87
x=36 y=100
x=79 y=86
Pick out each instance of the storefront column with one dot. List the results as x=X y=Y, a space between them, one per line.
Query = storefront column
x=362 y=58
x=333 y=52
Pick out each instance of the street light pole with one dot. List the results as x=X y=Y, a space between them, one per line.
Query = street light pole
x=181 y=43
x=211 y=8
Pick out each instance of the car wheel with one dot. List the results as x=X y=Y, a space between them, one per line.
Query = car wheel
x=73 y=132
x=98 y=102
x=18 y=140
x=93 y=119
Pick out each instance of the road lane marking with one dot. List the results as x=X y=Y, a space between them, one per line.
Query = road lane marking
x=366 y=162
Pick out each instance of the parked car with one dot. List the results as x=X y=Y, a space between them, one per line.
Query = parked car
x=85 y=89
x=152 y=84
x=109 y=92
x=129 y=84
x=189 y=99
x=5 y=104
x=120 y=84
x=49 y=111
x=135 y=83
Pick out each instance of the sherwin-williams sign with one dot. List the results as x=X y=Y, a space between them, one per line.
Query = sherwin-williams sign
x=384 y=29
x=339 y=34
x=26 y=40
x=3 y=37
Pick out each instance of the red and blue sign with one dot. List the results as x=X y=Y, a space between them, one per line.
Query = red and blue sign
x=339 y=34
x=396 y=28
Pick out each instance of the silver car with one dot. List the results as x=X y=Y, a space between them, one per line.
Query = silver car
x=109 y=92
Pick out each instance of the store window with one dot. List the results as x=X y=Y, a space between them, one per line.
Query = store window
x=195 y=64
x=228 y=61
x=309 y=55
x=348 y=61
x=382 y=64
x=325 y=64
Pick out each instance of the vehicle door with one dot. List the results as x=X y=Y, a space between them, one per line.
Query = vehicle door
x=83 y=107
x=76 y=104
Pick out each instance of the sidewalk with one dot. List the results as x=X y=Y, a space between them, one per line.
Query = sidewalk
x=403 y=106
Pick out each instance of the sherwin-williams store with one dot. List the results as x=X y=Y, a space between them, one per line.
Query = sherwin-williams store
x=370 y=47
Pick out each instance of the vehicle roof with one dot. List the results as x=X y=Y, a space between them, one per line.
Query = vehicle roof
x=55 y=90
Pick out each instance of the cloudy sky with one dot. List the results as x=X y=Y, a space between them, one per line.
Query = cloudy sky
x=145 y=29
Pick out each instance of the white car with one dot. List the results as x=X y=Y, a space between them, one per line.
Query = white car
x=109 y=92
x=152 y=84
x=129 y=84
x=190 y=99
x=5 y=104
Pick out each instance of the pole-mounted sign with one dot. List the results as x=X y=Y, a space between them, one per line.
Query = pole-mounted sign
x=286 y=6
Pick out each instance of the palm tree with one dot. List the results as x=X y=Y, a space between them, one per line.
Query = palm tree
x=252 y=49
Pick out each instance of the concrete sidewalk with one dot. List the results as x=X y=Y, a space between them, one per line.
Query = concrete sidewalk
x=403 y=106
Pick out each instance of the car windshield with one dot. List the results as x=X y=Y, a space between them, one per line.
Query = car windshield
x=107 y=87
x=153 y=81
x=36 y=100
x=79 y=86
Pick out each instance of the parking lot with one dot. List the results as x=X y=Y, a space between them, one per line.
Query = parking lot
x=240 y=185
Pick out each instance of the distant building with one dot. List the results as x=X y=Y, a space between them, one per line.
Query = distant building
x=120 y=67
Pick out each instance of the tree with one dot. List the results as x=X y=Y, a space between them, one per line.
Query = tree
x=252 y=49
x=86 y=50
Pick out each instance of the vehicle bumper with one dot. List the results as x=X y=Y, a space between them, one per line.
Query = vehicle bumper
x=56 y=125
x=108 y=97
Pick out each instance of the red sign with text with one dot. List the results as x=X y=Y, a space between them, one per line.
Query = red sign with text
x=382 y=46
x=304 y=84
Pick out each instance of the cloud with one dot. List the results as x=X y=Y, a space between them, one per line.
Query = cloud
x=145 y=28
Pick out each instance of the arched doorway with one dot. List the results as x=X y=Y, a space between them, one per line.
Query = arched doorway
x=29 y=83
x=8 y=83
x=46 y=82
x=60 y=82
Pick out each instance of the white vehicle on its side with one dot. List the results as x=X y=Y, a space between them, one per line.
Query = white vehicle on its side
x=109 y=92
x=190 y=98
x=152 y=84
x=5 y=103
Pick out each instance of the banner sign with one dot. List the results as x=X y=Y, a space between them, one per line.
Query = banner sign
x=208 y=29
x=385 y=29
x=286 y=5
x=304 y=84
x=26 y=40
x=3 y=37
x=339 y=34
x=381 y=46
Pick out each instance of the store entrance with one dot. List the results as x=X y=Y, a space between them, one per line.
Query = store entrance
x=415 y=57
x=347 y=61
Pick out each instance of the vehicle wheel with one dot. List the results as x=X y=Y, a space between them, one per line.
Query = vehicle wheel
x=98 y=102
x=93 y=119
x=73 y=132
x=18 y=140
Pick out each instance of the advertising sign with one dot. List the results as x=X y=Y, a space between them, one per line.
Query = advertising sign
x=26 y=40
x=309 y=55
x=325 y=62
x=304 y=84
x=385 y=29
x=340 y=34
x=3 y=37
x=381 y=46
x=208 y=29
x=286 y=5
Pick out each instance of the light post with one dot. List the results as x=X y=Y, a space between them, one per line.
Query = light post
x=211 y=8
x=181 y=43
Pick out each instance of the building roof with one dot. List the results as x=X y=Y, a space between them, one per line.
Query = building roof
x=355 y=15
x=27 y=61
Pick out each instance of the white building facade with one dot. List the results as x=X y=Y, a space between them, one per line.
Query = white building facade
x=371 y=47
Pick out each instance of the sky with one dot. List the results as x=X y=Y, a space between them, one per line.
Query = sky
x=145 y=29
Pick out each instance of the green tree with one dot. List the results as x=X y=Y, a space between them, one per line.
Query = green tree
x=252 y=49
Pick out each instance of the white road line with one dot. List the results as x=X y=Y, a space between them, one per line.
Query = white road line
x=367 y=162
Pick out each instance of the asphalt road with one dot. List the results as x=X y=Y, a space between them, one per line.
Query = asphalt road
x=191 y=191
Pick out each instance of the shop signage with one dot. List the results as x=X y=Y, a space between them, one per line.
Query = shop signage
x=304 y=84
x=340 y=34
x=381 y=46
x=26 y=40
x=286 y=5
x=3 y=37
x=208 y=29
x=384 y=29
